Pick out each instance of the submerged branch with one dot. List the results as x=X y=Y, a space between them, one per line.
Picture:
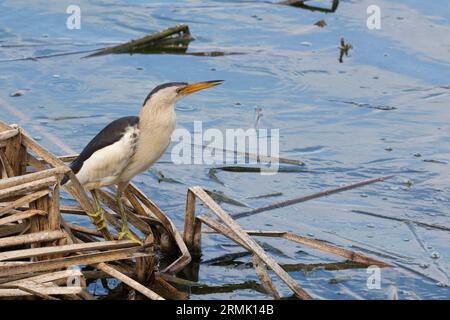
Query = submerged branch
x=325 y=193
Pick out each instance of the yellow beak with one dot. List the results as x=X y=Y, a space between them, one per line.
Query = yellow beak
x=191 y=88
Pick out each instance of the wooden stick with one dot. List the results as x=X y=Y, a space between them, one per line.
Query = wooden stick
x=36 y=164
x=313 y=243
x=34 y=290
x=185 y=257
x=76 y=190
x=27 y=178
x=21 y=216
x=109 y=200
x=128 y=281
x=8 y=170
x=70 y=248
x=48 y=277
x=197 y=241
x=31 y=238
x=263 y=275
x=189 y=220
x=224 y=230
x=140 y=210
x=406 y=220
x=258 y=157
x=348 y=254
x=24 y=200
x=38 y=290
x=8 y=134
x=89 y=258
x=255 y=247
x=28 y=187
x=325 y=193
x=78 y=228
x=54 y=215
x=19 y=228
x=146 y=41
x=15 y=154
x=170 y=290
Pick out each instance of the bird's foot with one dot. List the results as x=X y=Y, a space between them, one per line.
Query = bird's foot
x=127 y=233
x=98 y=218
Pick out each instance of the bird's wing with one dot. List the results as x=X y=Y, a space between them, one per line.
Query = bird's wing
x=109 y=135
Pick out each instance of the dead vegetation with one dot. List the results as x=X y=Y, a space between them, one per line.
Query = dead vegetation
x=45 y=255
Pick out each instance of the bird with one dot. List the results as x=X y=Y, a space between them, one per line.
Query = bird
x=129 y=146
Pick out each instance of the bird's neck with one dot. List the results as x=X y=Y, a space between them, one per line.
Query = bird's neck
x=154 y=117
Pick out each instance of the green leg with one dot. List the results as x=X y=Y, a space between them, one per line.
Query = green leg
x=98 y=217
x=125 y=230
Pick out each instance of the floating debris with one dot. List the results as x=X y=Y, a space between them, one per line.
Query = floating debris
x=434 y=161
x=268 y=195
x=62 y=118
x=272 y=249
x=175 y=39
x=220 y=197
x=212 y=174
x=18 y=93
x=227 y=259
x=407 y=182
x=338 y=280
x=367 y=105
x=321 y=23
x=435 y=255
x=301 y=4
x=320 y=194
x=420 y=223
x=244 y=169
x=213 y=53
x=162 y=178
x=344 y=49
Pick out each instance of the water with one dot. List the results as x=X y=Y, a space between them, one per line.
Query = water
x=383 y=111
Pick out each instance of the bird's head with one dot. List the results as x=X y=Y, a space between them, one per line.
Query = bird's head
x=167 y=94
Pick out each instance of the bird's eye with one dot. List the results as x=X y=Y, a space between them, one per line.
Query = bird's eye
x=179 y=89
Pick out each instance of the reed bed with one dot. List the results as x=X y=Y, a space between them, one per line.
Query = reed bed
x=45 y=255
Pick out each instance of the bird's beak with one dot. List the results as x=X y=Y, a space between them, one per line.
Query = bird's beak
x=191 y=88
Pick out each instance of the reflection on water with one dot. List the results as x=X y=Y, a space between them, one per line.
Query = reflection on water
x=383 y=111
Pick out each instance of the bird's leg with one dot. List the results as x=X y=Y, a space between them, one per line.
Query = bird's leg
x=125 y=230
x=98 y=217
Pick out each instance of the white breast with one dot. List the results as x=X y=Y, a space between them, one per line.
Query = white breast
x=153 y=141
x=105 y=166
